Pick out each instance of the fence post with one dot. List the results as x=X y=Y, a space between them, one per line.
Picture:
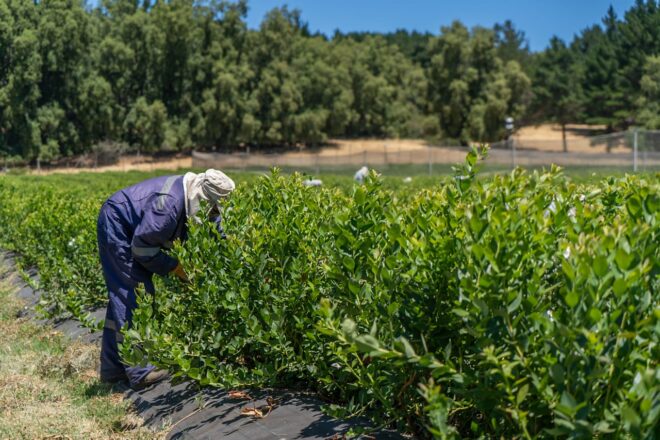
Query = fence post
x=430 y=161
x=635 y=150
x=512 y=145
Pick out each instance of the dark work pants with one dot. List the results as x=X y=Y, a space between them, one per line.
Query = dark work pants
x=116 y=260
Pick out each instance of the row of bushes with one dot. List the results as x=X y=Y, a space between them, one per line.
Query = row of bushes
x=521 y=305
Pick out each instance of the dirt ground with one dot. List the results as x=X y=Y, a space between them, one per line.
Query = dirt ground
x=579 y=138
x=127 y=163
x=543 y=138
x=553 y=131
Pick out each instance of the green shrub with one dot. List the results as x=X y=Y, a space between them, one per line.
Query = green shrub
x=522 y=305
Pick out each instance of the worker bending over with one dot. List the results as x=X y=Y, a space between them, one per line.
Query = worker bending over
x=135 y=225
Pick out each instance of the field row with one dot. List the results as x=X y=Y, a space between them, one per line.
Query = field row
x=519 y=305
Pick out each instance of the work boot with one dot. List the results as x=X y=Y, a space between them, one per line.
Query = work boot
x=153 y=377
x=114 y=378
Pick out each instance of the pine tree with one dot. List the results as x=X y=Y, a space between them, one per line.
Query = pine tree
x=603 y=99
x=558 y=94
x=511 y=43
x=648 y=104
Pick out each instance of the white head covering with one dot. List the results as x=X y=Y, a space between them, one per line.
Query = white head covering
x=210 y=186
x=361 y=174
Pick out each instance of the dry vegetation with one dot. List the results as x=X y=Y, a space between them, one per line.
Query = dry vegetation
x=544 y=137
x=49 y=387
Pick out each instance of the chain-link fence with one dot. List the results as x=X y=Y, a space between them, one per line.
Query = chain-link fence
x=625 y=151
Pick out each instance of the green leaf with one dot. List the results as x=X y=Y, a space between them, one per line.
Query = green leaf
x=367 y=343
x=515 y=303
x=600 y=266
x=354 y=286
x=634 y=205
x=460 y=312
x=522 y=393
x=619 y=286
x=471 y=158
x=567 y=404
x=568 y=270
x=572 y=298
x=630 y=417
x=407 y=348
x=349 y=263
x=623 y=259
x=348 y=327
x=595 y=315
x=557 y=374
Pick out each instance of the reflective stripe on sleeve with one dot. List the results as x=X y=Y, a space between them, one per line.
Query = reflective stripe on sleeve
x=145 y=251
x=165 y=190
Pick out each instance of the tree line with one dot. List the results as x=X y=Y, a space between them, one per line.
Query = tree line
x=171 y=75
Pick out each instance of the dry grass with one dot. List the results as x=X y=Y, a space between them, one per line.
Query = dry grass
x=49 y=387
x=127 y=163
x=548 y=138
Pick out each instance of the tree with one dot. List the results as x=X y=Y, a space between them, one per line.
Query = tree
x=638 y=36
x=558 y=93
x=65 y=32
x=413 y=44
x=603 y=97
x=146 y=125
x=379 y=74
x=20 y=97
x=470 y=89
x=511 y=43
x=176 y=73
x=648 y=104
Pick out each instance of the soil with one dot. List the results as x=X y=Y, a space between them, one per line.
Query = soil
x=127 y=163
x=579 y=138
x=544 y=137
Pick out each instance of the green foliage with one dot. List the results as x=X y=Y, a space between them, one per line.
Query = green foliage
x=511 y=43
x=598 y=78
x=470 y=88
x=146 y=125
x=558 y=79
x=176 y=74
x=522 y=305
x=518 y=306
x=603 y=94
x=649 y=102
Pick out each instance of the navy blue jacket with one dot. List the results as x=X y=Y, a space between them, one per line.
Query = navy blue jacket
x=152 y=215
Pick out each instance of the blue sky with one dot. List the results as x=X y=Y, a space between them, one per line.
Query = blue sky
x=539 y=19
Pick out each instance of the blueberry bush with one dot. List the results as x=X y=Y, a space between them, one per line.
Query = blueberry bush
x=521 y=305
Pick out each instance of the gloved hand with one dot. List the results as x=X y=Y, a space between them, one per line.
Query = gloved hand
x=180 y=273
x=218 y=225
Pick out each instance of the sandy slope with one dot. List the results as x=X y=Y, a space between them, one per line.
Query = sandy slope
x=579 y=138
x=545 y=138
x=128 y=163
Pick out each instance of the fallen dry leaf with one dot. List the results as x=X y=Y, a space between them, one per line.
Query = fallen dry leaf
x=253 y=412
x=239 y=395
x=271 y=403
